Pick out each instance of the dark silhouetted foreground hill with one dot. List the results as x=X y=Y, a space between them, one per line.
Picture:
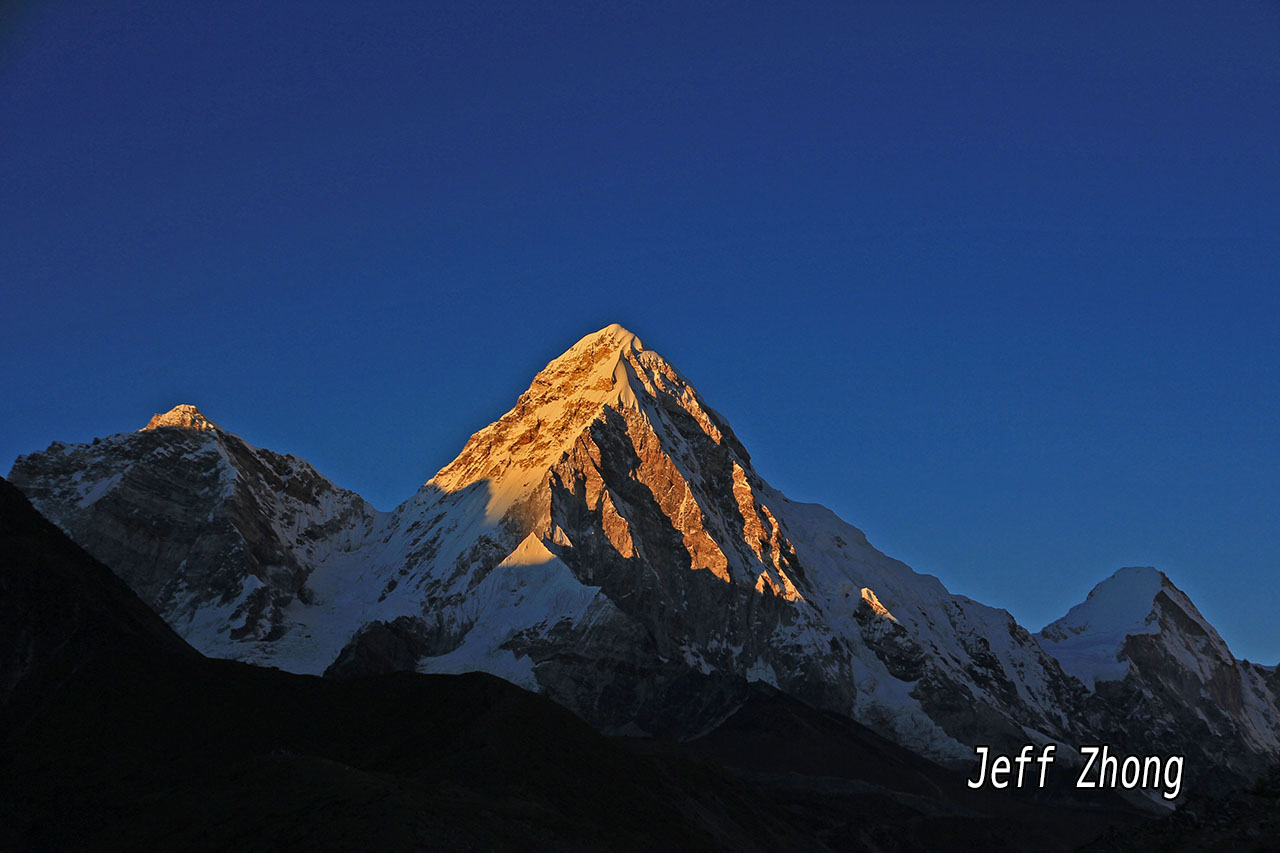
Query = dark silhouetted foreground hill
x=116 y=734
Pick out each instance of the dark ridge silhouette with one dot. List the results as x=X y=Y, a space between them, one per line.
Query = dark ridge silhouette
x=117 y=735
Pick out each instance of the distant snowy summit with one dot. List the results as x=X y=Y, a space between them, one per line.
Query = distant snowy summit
x=608 y=542
x=1140 y=642
x=183 y=415
x=1089 y=640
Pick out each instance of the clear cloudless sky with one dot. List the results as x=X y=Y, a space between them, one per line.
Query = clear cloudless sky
x=998 y=281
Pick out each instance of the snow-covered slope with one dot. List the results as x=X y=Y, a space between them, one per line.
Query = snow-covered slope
x=606 y=541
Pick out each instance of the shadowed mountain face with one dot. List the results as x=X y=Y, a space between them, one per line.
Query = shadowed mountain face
x=607 y=543
x=115 y=734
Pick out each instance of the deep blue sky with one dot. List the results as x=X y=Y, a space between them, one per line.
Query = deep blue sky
x=999 y=282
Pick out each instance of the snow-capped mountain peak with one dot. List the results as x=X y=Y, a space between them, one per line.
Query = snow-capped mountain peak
x=609 y=369
x=610 y=522
x=1140 y=642
x=1089 y=640
x=608 y=542
x=183 y=415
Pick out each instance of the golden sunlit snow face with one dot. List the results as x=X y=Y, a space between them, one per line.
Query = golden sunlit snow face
x=609 y=368
x=184 y=415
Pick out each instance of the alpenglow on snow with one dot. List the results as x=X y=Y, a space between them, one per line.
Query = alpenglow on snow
x=607 y=542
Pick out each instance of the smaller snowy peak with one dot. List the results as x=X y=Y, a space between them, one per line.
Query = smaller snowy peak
x=1087 y=641
x=1124 y=600
x=1137 y=600
x=1141 y=643
x=184 y=415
